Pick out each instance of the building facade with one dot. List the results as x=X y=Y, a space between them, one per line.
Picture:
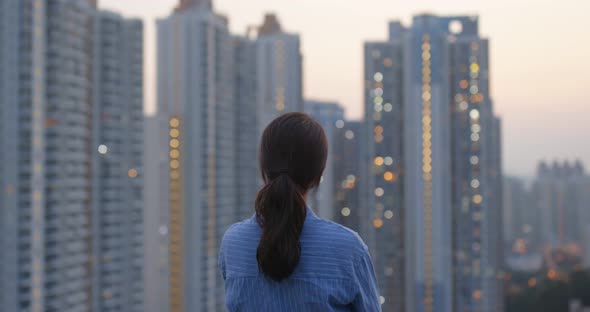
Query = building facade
x=278 y=72
x=216 y=94
x=248 y=177
x=440 y=126
x=327 y=114
x=477 y=239
x=518 y=211
x=384 y=214
x=196 y=127
x=118 y=171
x=54 y=184
x=349 y=175
x=561 y=194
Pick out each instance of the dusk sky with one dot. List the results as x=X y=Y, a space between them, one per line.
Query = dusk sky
x=540 y=59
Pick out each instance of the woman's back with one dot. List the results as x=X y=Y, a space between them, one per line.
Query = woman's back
x=334 y=272
x=285 y=258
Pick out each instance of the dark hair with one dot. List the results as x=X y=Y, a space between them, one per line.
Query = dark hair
x=293 y=154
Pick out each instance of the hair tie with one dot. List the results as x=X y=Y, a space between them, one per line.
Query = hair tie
x=283 y=172
x=278 y=173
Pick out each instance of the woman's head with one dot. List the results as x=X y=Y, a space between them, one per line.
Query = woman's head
x=293 y=153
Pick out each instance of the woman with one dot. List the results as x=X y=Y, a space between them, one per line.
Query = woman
x=285 y=258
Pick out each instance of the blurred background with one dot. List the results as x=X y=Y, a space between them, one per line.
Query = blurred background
x=129 y=132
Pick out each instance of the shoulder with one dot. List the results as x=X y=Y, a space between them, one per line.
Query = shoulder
x=341 y=235
x=246 y=230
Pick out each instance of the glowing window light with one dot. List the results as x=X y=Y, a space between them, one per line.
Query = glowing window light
x=474 y=114
x=379 y=161
x=379 y=192
x=388 y=214
x=340 y=124
x=377 y=223
x=345 y=211
x=477 y=199
x=463 y=106
x=388 y=161
x=463 y=84
x=387 y=107
x=132 y=173
x=349 y=134
x=455 y=27
x=103 y=149
x=389 y=176
x=378 y=77
x=477 y=294
x=532 y=282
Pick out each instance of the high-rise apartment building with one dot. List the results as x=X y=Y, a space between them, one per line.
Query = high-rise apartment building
x=428 y=110
x=476 y=184
x=278 y=72
x=328 y=115
x=70 y=240
x=117 y=169
x=348 y=151
x=267 y=83
x=248 y=176
x=384 y=214
x=196 y=139
x=216 y=94
x=518 y=213
x=561 y=192
x=155 y=219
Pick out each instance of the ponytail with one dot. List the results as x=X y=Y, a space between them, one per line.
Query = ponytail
x=281 y=211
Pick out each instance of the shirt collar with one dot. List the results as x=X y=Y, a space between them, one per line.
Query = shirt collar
x=311 y=214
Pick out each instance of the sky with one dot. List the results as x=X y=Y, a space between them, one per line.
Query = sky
x=539 y=55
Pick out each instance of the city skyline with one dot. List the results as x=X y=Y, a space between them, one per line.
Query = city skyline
x=541 y=120
x=110 y=206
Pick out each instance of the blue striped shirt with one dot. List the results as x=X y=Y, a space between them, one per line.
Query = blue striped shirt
x=335 y=272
